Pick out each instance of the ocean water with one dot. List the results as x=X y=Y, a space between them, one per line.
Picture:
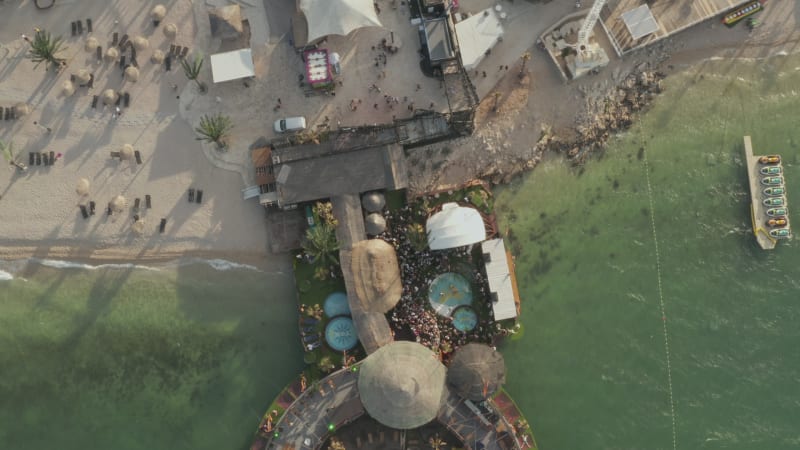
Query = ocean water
x=593 y=368
x=183 y=356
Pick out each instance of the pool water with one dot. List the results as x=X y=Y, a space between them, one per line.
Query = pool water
x=465 y=318
x=341 y=334
x=447 y=292
x=336 y=305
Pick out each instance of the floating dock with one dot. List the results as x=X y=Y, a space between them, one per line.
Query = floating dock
x=758 y=211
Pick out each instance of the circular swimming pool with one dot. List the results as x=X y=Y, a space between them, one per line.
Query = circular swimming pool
x=447 y=292
x=465 y=318
x=340 y=334
x=336 y=305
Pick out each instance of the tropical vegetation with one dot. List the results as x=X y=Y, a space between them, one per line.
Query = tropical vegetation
x=214 y=129
x=192 y=70
x=45 y=49
x=321 y=245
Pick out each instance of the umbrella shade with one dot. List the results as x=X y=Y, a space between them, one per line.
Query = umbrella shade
x=83 y=76
x=67 y=88
x=375 y=224
x=226 y=22
x=83 y=187
x=91 y=44
x=170 y=30
x=157 y=57
x=375 y=276
x=402 y=385
x=476 y=372
x=140 y=43
x=22 y=109
x=138 y=227
x=112 y=54
x=158 y=12
x=109 y=97
x=373 y=201
x=118 y=203
x=131 y=74
x=126 y=152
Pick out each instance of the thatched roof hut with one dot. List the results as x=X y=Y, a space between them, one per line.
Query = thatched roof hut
x=374 y=276
x=373 y=201
x=476 y=372
x=402 y=385
x=226 y=22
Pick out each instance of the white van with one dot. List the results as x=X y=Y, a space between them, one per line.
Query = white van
x=290 y=124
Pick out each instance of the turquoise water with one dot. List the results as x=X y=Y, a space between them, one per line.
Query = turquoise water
x=590 y=370
x=186 y=357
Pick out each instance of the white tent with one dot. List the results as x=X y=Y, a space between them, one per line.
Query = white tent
x=454 y=226
x=476 y=35
x=326 y=17
x=232 y=65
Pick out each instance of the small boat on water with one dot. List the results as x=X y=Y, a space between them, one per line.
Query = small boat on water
x=732 y=18
x=775 y=201
x=771 y=170
x=770 y=159
x=774 y=191
x=781 y=233
x=777 y=222
x=772 y=181
x=777 y=212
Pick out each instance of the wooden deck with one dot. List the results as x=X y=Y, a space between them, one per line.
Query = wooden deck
x=672 y=16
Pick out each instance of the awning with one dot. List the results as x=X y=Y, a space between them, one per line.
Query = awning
x=232 y=65
x=499 y=274
x=476 y=35
x=640 y=22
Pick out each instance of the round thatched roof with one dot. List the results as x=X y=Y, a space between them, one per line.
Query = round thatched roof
x=118 y=203
x=132 y=74
x=22 y=109
x=157 y=57
x=138 y=226
x=67 y=88
x=126 y=152
x=111 y=54
x=109 y=97
x=83 y=187
x=140 y=43
x=402 y=385
x=158 y=12
x=373 y=201
x=170 y=30
x=226 y=22
x=375 y=224
x=83 y=76
x=476 y=372
x=91 y=44
x=376 y=275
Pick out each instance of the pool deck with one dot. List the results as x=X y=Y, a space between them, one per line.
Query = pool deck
x=758 y=212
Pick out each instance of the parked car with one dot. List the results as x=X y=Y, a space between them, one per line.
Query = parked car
x=290 y=124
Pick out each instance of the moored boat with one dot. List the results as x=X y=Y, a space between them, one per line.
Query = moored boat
x=780 y=233
x=777 y=222
x=732 y=18
x=775 y=201
x=770 y=159
x=777 y=212
x=771 y=170
x=774 y=191
x=772 y=181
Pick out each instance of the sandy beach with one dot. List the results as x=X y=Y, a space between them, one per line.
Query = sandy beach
x=39 y=209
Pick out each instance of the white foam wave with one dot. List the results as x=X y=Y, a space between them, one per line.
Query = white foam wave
x=59 y=264
x=5 y=276
x=223 y=264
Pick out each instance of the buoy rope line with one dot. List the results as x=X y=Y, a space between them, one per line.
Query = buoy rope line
x=660 y=288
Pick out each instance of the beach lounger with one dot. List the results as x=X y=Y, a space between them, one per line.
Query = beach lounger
x=147 y=203
x=99 y=52
x=123 y=41
x=31 y=158
x=53 y=158
x=115 y=154
x=119 y=100
x=4 y=113
x=84 y=212
x=109 y=211
x=89 y=25
x=74 y=28
x=168 y=63
x=92 y=206
x=45 y=159
x=38 y=159
x=90 y=84
x=199 y=196
x=172 y=48
x=136 y=205
x=135 y=217
x=13 y=113
x=80 y=27
x=126 y=98
x=162 y=226
x=94 y=101
x=122 y=63
x=191 y=195
x=184 y=52
x=138 y=157
x=115 y=38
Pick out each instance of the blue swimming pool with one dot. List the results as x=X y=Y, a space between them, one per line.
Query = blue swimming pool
x=340 y=334
x=336 y=305
x=448 y=291
x=465 y=318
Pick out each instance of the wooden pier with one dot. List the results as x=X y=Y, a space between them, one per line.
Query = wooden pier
x=758 y=211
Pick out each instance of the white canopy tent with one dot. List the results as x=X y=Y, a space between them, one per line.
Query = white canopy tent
x=498 y=274
x=476 y=35
x=640 y=22
x=232 y=65
x=454 y=226
x=326 y=17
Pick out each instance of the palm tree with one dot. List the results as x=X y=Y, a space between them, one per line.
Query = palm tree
x=8 y=154
x=192 y=70
x=436 y=442
x=44 y=48
x=214 y=129
x=417 y=237
x=525 y=58
x=320 y=243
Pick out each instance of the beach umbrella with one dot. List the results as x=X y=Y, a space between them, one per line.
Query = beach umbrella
x=22 y=109
x=112 y=54
x=157 y=57
x=374 y=274
x=402 y=385
x=109 y=97
x=375 y=224
x=131 y=74
x=373 y=201
x=83 y=187
x=170 y=30
x=83 y=76
x=140 y=43
x=138 y=226
x=158 y=12
x=476 y=372
x=118 y=203
x=126 y=152
x=67 y=88
x=91 y=44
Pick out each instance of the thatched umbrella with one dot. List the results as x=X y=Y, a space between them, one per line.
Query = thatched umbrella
x=373 y=201
x=375 y=275
x=126 y=152
x=375 y=224
x=22 y=109
x=83 y=187
x=109 y=97
x=226 y=22
x=157 y=57
x=158 y=12
x=118 y=203
x=138 y=226
x=476 y=372
x=91 y=44
x=170 y=30
x=373 y=329
x=67 y=88
x=83 y=76
x=112 y=54
x=402 y=385
x=131 y=74
x=140 y=43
